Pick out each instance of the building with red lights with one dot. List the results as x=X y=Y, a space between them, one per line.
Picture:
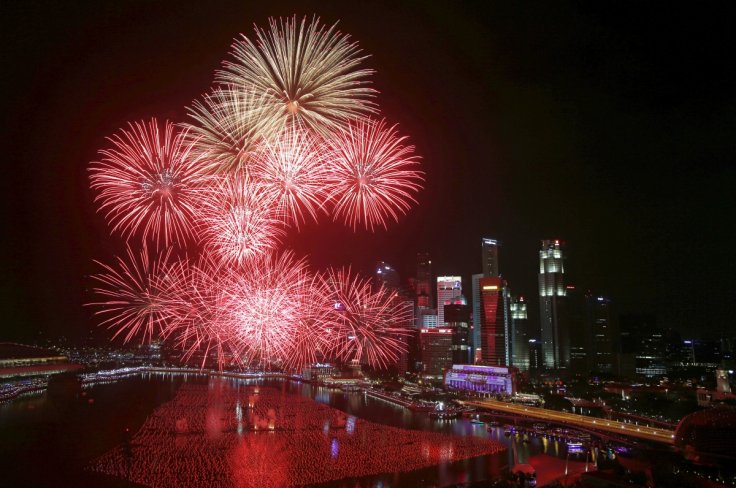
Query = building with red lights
x=493 y=323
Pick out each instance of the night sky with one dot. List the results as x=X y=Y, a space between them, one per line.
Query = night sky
x=610 y=127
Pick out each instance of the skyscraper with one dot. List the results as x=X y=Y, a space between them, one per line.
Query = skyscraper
x=457 y=315
x=435 y=351
x=494 y=351
x=476 y=312
x=425 y=293
x=387 y=276
x=448 y=288
x=519 y=334
x=554 y=332
x=489 y=257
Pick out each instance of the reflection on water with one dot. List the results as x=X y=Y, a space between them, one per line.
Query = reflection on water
x=68 y=437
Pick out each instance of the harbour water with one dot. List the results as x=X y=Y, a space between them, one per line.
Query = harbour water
x=52 y=440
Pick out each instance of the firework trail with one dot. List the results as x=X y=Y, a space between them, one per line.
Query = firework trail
x=148 y=183
x=368 y=324
x=374 y=175
x=294 y=167
x=229 y=125
x=271 y=312
x=240 y=218
x=306 y=72
x=135 y=294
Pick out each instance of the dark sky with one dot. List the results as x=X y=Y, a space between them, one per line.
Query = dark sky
x=610 y=127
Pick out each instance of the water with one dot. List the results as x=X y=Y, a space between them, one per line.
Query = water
x=49 y=441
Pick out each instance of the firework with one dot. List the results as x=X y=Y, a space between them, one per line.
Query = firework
x=294 y=167
x=229 y=126
x=366 y=324
x=135 y=294
x=240 y=218
x=148 y=183
x=271 y=311
x=306 y=71
x=284 y=136
x=374 y=175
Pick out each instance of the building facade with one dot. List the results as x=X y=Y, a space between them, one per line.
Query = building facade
x=481 y=379
x=435 y=351
x=519 y=334
x=492 y=322
x=457 y=316
x=489 y=257
x=448 y=289
x=555 y=333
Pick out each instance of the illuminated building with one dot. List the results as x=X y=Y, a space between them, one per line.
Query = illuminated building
x=489 y=257
x=387 y=276
x=17 y=360
x=457 y=316
x=536 y=362
x=435 y=351
x=476 y=313
x=448 y=289
x=555 y=333
x=423 y=284
x=519 y=334
x=493 y=323
x=426 y=318
x=480 y=379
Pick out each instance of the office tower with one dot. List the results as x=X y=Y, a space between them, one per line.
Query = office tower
x=536 y=361
x=386 y=276
x=554 y=332
x=573 y=311
x=492 y=322
x=424 y=290
x=489 y=257
x=435 y=350
x=448 y=288
x=457 y=316
x=427 y=318
x=519 y=334
x=603 y=332
x=476 y=312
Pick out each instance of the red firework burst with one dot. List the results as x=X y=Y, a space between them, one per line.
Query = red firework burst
x=240 y=218
x=148 y=183
x=135 y=294
x=271 y=311
x=374 y=175
x=365 y=324
x=294 y=167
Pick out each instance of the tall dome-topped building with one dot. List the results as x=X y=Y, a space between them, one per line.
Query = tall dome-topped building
x=708 y=436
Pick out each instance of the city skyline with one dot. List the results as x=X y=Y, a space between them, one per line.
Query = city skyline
x=632 y=177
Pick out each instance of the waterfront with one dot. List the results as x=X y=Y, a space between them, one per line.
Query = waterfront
x=69 y=433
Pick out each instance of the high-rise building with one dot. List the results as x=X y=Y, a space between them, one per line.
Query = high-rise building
x=423 y=283
x=603 y=333
x=386 y=276
x=457 y=317
x=435 y=350
x=489 y=257
x=476 y=312
x=492 y=322
x=448 y=289
x=519 y=334
x=554 y=332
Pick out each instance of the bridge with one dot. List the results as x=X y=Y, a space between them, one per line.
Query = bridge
x=663 y=436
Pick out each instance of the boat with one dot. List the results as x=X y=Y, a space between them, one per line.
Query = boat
x=476 y=421
x=444 y=414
